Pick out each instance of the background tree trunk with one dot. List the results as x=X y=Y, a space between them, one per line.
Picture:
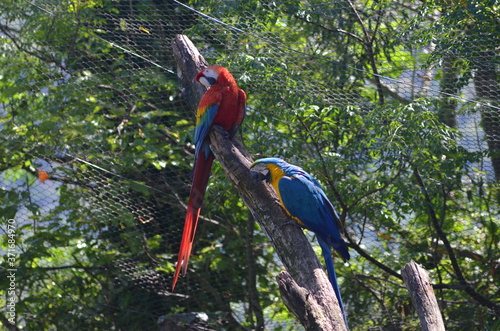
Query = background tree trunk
x=485 y=81
x=448 y=83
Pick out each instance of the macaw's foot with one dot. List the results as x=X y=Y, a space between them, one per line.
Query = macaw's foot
x=292 y=223
x=221 y=130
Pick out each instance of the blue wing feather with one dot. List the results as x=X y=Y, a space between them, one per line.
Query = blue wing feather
x=203 y=128
x=303 y=198
x=300 y=198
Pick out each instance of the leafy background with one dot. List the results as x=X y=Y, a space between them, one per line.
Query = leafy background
x=393 y=106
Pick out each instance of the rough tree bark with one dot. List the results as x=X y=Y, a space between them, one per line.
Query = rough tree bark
x=419 y=285
x=308 y=292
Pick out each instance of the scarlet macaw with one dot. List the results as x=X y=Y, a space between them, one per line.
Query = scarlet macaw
x=224 y=105
x=302 y=198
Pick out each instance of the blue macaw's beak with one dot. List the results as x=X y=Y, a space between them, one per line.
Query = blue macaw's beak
x=259 y=171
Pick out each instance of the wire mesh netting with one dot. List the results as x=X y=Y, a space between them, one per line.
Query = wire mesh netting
x=393 y=106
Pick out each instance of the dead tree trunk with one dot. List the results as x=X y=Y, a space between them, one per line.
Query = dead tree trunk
x=418 y=283
x=320 y=309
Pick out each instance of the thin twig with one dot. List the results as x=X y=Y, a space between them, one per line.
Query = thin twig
x=368 y=44
x=367 y=256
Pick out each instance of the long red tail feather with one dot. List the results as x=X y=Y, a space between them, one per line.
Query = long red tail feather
x=198 y=188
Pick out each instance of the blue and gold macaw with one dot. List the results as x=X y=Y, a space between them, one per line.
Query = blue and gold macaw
x=302 y=197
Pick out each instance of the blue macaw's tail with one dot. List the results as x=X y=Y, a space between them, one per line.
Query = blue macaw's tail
x=341 y=247
x=327 y=255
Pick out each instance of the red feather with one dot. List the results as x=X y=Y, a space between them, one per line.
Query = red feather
x=200 y=180
x=230 y=114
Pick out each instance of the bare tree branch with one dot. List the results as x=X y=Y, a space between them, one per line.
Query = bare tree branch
x=336 y=30
x=370 y=258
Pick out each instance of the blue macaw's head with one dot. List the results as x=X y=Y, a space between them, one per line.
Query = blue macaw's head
x=272 y=169
x=259 y=171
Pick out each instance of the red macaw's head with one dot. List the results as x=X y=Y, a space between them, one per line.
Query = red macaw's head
x=210 y=75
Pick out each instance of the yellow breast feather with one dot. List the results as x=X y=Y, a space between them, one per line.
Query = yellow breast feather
x=276 y=175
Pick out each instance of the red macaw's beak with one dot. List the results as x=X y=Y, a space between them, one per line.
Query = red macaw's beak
x=207 y=81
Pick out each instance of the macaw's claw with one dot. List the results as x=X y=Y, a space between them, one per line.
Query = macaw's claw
x=292 y=223
x=221 y=130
